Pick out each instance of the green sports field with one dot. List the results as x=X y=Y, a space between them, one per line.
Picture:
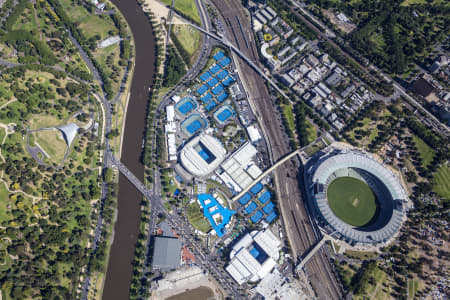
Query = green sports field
x=351 y=200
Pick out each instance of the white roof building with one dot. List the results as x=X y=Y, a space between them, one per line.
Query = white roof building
x=202 y=155
x=170 y=111
x=254 y=256
x=253 y=134
x=171 y=146
x=69 y=132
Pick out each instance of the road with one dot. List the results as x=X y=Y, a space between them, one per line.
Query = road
x=300 y=231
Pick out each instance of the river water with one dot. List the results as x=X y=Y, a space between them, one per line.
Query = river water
x=118 y=276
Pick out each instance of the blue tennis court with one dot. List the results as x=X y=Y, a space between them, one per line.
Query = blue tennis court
x=212 y=82
x=203 y=155
x=214 y=69
x=222 y=97
x=217 y=90
x=251 y=207
x=224 y=62
x=269 y=207
x=223 y=211
x=186 y=105
x=229 y=80
x=205 y=99
x=224 y=115
x=205 y=76
x=254 y=252
x=210 y=106
x=219 y=55
x=244 y=199
x=271 y=217
x=201 y=90
x=256 y=188
x=265 y=197
x=256 y=217
x=222 y=74
x=194 y=126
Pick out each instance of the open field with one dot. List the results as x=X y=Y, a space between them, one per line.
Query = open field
x=52 y=143
x=4 y=199
x=442 y=182
x=425 y=151
x=351 y=200
x=186 y=7
x=312 y=132
x=188 y=37
x=196 y=218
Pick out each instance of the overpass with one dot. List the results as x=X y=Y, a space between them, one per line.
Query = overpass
x=312 y=251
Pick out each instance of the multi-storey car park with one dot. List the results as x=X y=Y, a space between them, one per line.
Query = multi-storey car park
x=355 y=197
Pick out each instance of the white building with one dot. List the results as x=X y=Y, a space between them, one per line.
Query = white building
x=253 y=134
x=254 y=256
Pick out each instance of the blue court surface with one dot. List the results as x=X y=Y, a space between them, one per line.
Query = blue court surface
x=217 y=90
x=254 y=252
x=212 y=82
x=269 y=207
x=222 y=97
x=229 y=80
x=251 y=207
x=194 y=126
x=210 y=106
x=214 y=69
x=186 y=105
x=244 y=199
x=257 y=216
x=222 y=74
x=265 y=197
x=203 y=155
x=223 y=211
x=256 y=188
x=271 y=217
x=205 y=76
x=219 y=55
x=224 y=62
x=224 y=115
x=205 y=99
x=201 y=90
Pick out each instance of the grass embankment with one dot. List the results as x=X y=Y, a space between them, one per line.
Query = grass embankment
x=187 y=8
x=441 y=182
x=425 y=151
x=52 y=142
x=196 y=218
x=351 y=200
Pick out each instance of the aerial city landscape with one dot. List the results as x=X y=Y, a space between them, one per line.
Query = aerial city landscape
x=224 y=149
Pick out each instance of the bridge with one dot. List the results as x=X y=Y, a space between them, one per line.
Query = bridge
x=312 y=251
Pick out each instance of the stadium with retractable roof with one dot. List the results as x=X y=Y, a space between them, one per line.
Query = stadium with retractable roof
x=355 y=197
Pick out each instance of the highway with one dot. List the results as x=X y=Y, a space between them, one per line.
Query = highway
x=300 y=231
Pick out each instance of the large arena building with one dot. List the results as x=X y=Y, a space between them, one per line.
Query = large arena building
x=355 y=197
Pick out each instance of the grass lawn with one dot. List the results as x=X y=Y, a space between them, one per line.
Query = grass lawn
x=425 y=151
x=441 y=182
x=189 y=37
x=312 y=132
x=289 y=115
x=4 y=199
x=52 y=143
x=361 y=254
x=186 y=7
x=413 y=287
x=351 y=200
x=44 y=121
x=196 y=218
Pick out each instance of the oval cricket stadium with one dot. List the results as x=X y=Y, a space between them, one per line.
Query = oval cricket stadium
x=354 y=197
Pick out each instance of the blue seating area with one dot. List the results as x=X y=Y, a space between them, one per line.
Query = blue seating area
x=269 y=207
x=223 y=211
x=271 y=217
x=265 y=197
x=205 y=76
x=256 y=217
x=251 y=207
x=222 y=74
x=210 y=106
x=212 y=82
x=244 y=199
x=256 y=188
x=214 y=69
x=201 y=90
x=205 y=99
x=222 y=97
x=224 y=62
x=229 y=80
x=219 y=55
x=217 y=90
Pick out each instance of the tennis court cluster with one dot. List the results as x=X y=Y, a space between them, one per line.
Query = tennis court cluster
x=193 y=124
x=212 y=90
x=257 y=204
x=223 y=114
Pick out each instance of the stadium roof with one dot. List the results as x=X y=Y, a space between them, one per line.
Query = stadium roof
x=69 y=132
x=166 y=253
x=194 y=163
